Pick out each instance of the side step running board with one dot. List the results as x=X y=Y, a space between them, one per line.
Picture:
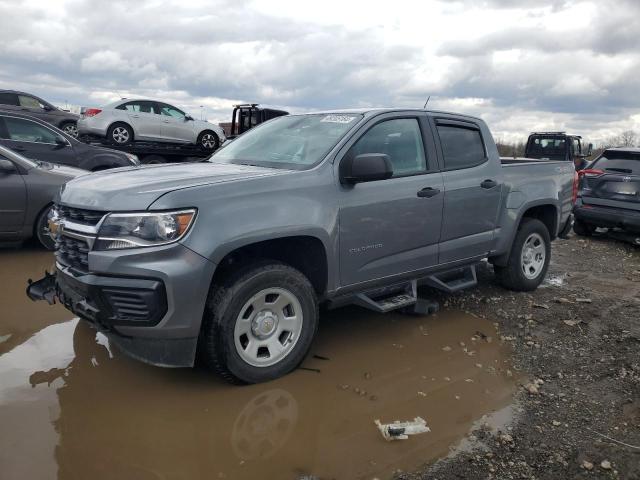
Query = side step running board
x=400 y=297
x=453 y=280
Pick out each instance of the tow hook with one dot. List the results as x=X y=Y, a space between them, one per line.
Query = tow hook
x=43 y=289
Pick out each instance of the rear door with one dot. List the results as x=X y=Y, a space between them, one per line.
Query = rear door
x=387 y=227
x=35 y=141
x=174 y=125
x=145 y=119
x=473 y=186
x=13 y=202
x=613 y=180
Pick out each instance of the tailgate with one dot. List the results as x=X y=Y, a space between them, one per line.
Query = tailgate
x=612 y=190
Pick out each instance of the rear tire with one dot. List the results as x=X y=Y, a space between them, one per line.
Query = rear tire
x=120 y=134
x=529 y=258
x=583 y=229
x=42 y=229
x=259 y=323
x=208 y=141
x=70 y=128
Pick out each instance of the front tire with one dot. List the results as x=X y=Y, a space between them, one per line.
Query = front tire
x=259 y=323
x=42 y=229
x=120 y=134
x=529 y=258
x=208 y=141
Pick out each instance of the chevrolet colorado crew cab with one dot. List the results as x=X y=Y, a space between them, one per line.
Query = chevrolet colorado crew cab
x=228 y=260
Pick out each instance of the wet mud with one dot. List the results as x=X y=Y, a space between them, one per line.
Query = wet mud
x=73 y=407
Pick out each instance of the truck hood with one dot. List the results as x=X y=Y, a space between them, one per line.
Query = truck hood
x=135 y=188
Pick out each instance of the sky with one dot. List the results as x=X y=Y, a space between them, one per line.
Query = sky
x=521 y=65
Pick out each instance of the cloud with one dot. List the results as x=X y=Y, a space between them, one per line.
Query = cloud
x=539 y=63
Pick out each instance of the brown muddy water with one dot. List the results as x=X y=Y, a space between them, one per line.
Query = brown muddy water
x=71 y=407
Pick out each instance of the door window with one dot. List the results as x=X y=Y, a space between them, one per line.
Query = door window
x=139 y=107
x=29 y=102
x=401 y=140
x=462 y=147
x=8 y=99
x=21 y=130
x=170 y=111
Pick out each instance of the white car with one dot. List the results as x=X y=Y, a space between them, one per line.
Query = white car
x=129 y=120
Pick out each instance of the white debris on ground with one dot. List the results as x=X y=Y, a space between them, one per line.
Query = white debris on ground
x=401 y=430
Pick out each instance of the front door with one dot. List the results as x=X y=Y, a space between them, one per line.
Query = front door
x=13 y=202
x=387 y=227
x=473 y=189
x=35 y=141
x=175 y=127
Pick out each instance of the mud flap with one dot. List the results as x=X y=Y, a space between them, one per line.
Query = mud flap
x=567 y=228
x=43 y=289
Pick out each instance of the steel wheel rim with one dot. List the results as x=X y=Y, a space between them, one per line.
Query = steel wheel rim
x=71 y=130
x=208 y=141
x=534 y=254
x=120 y=134
x=268 y=327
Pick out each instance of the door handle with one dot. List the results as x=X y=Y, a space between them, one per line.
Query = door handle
x=165 y=121
x=18 y=149
x=428 y=192
x=135 y=116
x=489 y=184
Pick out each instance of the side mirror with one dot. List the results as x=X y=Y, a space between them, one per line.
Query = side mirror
x=366 y=167
x=589 y=149
x=6 y=167
x=188 y=118
x=61 y=142
x=47 y=108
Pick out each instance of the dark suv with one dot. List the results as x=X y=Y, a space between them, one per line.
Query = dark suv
x=29 y=104
x=609 y=193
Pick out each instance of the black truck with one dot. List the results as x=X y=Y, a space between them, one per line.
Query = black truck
x=557 y=146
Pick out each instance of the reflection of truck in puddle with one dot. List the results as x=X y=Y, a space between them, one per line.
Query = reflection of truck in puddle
x=115 y=417
x=234 y=255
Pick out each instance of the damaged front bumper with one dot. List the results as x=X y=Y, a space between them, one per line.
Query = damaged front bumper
x=138 y=315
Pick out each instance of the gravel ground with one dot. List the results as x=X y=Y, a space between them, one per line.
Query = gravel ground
x=576 y=351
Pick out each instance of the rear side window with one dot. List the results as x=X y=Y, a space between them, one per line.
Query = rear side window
x=141 y=107
x=401 y=140
x=9 y=99
x=462 y=147
x=618 y=162
x=21 y=130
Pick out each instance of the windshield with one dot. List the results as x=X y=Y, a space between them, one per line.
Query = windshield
x=295 y=142
x=618 y=162
x=553 y=148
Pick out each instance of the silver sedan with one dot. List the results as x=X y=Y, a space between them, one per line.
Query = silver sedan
x=128 y=120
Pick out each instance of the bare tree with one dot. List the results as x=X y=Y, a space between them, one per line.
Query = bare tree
x=628 y=138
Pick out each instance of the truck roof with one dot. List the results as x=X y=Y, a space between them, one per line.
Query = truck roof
x=564 y=134
x=378 y=110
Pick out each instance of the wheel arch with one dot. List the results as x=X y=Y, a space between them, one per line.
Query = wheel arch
x=306 y=253
x=545 y=211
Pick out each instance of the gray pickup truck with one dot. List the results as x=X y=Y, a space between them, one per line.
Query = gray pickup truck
x=228 y=260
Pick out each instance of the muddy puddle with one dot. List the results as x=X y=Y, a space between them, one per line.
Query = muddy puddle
x=71 y=407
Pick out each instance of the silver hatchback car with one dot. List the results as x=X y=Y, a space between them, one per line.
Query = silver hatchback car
x=128 y=120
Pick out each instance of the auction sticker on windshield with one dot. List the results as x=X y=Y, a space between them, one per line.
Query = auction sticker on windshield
x=338 y=119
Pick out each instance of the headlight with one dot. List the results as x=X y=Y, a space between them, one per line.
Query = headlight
x=133 y=158
x=144 y=229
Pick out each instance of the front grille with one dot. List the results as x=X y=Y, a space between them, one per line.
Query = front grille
x=80 y=215
x=72 y=252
